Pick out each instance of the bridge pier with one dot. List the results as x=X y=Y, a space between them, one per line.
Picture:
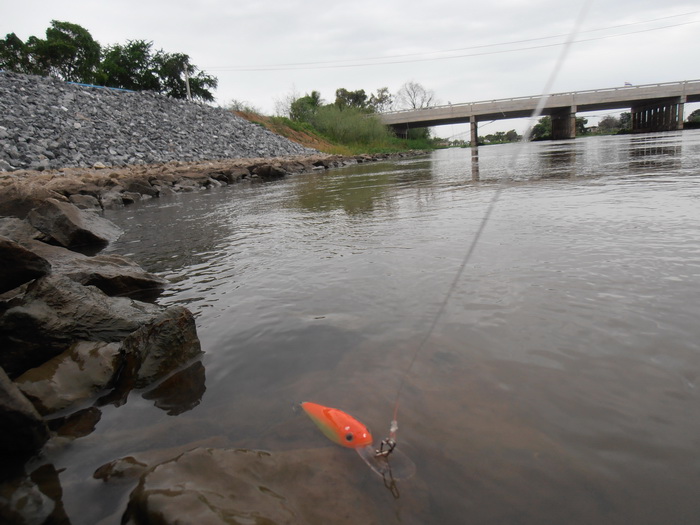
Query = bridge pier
x=660 y=115
x=564 y=123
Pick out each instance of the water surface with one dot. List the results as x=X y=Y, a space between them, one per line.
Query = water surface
x=560 y=385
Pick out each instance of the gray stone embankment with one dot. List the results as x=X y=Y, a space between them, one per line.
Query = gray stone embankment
x=46 y=123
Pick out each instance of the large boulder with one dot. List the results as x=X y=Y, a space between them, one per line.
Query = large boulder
x=159 y=347
x=72 y=227
x=55 y=312
x=23 y=429
x=76 y=375
x=19 y=265
x=18 y=199
x=19 y=230
x=111 y=273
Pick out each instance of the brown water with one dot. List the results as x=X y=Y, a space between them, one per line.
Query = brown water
x=559 y=386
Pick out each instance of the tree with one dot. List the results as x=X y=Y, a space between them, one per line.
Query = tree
x=626 y=120
x=129 y=66
x=69 y=52
x=512 y=135
x=609 y=124
x=694 y=116
x=413 y=95
x=14 y=55
x=543 y=129
x=580 y=125
x=382 y=101
x=350 y=99
x=304 y=109
x=174 y=71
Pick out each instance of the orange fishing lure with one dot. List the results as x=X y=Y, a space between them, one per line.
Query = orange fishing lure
x=339 y=427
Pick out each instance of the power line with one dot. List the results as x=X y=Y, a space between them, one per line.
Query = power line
x=362 y=62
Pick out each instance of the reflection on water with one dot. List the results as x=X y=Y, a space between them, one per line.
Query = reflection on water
x=560 y=385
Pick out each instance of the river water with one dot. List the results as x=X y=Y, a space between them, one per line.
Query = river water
x=560 y=384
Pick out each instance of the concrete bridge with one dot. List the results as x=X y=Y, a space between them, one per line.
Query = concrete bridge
x=654 y=107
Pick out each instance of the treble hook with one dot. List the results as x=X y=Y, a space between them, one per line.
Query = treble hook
x=382 y=452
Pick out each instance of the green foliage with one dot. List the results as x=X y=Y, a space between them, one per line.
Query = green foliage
x=500 y=137
x=174 y=69
x=350 y=99
x=304 y=109
x=14 y=55
x=381 y=101
x=581 y=126
x=70 y=53
x=349 y=125
x=350 y=121
x=543 y=129
x=129 y=66
x=694 y=116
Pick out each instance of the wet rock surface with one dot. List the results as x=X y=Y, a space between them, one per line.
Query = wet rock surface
x=23 y=429
x=19 y=265
x=55 y=312
x=225 y=486
x=69 y=226
x=76 y=375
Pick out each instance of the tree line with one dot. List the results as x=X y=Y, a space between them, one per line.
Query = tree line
x=69 y=52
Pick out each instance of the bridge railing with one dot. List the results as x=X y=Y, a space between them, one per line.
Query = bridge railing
x=683 y=83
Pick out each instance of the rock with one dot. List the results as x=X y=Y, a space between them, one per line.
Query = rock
x=114 y=274
x=19 y=265
x=18 y=230
x=126 y=468
x=85 y=202
x=160 y=346
x=17 y=200
x=44 y=129
x=33 y=498
x=216 y=486
x=76 y=425
x=76 y=375
x=72 y=227
x=55 y=312
x=23 y=429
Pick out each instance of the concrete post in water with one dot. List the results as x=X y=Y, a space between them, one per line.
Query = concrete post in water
x=474 y=142
x=564 y=123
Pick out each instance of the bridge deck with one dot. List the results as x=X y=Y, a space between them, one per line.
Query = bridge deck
x=519 y=107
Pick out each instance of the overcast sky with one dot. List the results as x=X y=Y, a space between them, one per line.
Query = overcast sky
x=263 y=50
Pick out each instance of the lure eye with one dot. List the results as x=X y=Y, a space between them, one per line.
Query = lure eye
x=348 y=436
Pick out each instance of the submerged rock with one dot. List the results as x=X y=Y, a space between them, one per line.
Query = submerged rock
x=72 y=227
x=225 y=486
x=76 y=375
x=181 y=392
x=34 y=497
x=23 y=429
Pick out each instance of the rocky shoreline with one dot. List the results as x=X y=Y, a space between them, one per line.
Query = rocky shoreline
x=80 y=330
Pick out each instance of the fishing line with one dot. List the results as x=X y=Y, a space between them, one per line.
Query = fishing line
x=394 y=426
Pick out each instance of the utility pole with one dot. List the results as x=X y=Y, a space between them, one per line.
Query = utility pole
x=187 y=84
